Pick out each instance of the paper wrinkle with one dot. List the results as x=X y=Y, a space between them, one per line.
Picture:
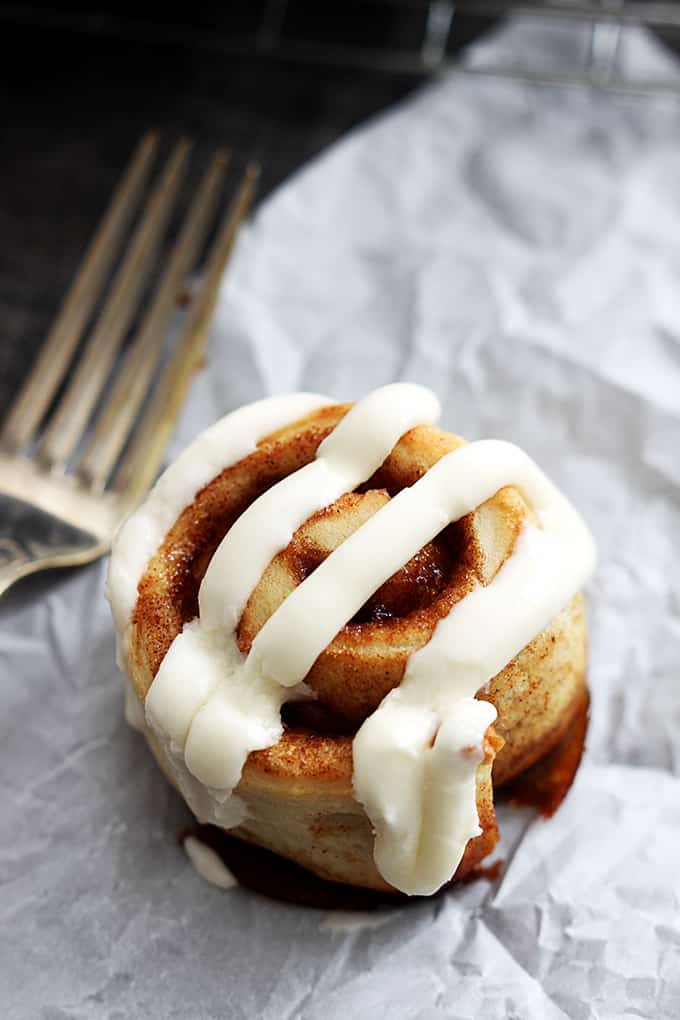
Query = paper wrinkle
x=516 y=249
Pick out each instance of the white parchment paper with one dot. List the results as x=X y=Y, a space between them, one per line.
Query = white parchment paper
x=517 y=249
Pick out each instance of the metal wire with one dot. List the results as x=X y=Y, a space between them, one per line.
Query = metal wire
x=445 y=25
x=604 y=20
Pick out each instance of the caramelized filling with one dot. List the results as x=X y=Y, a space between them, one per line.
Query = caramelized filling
x=313 y=715
x=413 y=587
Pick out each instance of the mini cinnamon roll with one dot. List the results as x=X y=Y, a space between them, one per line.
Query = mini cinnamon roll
x=343 y=627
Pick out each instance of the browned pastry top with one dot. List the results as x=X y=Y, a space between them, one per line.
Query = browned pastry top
x=368 y=656
x=299 y=792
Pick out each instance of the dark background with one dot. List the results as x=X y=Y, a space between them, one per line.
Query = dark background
x=277 y=80
x=81 y=84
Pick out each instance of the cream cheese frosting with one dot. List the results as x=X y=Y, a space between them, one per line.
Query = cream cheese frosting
x=416 y=756
x=208 y=864
x=225 y=443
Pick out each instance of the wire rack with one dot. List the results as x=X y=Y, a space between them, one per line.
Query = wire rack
x=412 y=37
x=446 y=26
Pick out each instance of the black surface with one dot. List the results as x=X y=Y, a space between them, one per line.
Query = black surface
x=278 y=80
x=78 y=97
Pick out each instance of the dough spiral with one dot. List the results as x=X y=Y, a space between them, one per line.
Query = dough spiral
x=295 y=794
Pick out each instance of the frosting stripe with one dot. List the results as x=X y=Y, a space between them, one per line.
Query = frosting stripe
x=223 y=444
x=202 y=698
x=455 y=486
x=349 y=456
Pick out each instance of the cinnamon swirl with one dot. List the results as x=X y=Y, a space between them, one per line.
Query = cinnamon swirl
x=343 y=627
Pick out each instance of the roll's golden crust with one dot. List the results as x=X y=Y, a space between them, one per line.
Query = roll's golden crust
x=299 y=792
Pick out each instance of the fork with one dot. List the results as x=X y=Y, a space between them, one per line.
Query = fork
x=70 y=473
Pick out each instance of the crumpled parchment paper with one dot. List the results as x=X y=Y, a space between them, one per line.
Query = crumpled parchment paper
x=517 y=249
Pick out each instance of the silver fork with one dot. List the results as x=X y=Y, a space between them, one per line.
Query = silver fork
x=69 y=475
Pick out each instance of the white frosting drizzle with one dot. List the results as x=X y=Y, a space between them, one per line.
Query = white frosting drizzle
x=426 y=736
x=243 y=697
x=416 y=757
x=347 y=457
x=222 y=445
x=208 y=864
x=134 y=711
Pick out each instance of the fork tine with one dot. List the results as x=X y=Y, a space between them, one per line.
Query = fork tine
x=140 y=464
x=122 y=407
x=75 y=408
x=56 y=352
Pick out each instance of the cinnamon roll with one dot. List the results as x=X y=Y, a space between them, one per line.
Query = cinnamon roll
x=343 y=627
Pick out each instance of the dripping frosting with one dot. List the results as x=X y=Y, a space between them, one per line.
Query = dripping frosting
x=416 y=756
